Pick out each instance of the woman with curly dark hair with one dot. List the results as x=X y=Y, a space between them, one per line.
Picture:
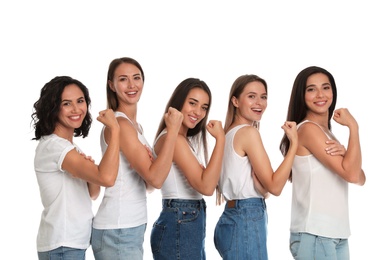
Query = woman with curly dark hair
x=68 y=179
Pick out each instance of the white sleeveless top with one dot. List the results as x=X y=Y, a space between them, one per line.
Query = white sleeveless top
x=236 y=181
x=319 y=198
x=124 y=204
x=176 y=185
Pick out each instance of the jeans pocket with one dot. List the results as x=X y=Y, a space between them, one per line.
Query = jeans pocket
x=156 y=237
x=223 y=236
x=187 y=215
x=295 y=242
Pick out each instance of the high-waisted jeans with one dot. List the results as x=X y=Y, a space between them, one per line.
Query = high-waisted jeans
x=241 y=231
x=180 y=230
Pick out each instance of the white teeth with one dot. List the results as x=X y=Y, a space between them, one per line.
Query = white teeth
x=75 y=117
x=131 y=93
x=193 y=118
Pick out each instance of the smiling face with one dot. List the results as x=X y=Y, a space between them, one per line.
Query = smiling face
x=251 y=104
x=318 y=94
x=127 y=83
x=195 y=107
x=72 y=112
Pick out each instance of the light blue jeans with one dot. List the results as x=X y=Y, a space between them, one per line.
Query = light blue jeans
x=241 y=231
x=118 y=244
x=180 y=230
x=63 y=253
x=304 y=246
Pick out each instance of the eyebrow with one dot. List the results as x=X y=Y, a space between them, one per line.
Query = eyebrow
x=323 y=84
x=194 y=99
x=68 y=100
x=124 y=75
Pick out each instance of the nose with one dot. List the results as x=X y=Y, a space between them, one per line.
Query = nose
x=197 y=110
x=75 y=107
x=320 y=93
x=130 y=84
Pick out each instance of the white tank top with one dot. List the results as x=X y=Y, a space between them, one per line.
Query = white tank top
x=236 y=181
x=319 y=198
x=124 y=204
x=176 y=185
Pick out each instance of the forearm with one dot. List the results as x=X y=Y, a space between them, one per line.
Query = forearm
x=109 y=165
x=160 y=167
x=352 y=161
x=211 y=174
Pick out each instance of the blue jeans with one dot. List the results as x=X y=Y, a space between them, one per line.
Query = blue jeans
x=180 y=230
x=118 y=244
x=304 y=246
x=241 y=231
x=63 y=253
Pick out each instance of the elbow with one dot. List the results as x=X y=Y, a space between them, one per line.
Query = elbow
x=276 y=192
x=94 y=197
x=357 y=178
x=108 y=182
x=209 y=193
x=155 y=183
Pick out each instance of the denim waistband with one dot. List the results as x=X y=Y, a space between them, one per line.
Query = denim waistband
x=251 y=202
x=173 y=203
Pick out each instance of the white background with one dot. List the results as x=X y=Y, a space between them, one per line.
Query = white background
x=216 y=41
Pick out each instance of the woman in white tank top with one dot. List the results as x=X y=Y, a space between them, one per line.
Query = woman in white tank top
x=322 y=169
x=120 y=222
x=180 y=230
x=247 y=175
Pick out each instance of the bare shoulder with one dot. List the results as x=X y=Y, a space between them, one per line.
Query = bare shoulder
x=245 y=138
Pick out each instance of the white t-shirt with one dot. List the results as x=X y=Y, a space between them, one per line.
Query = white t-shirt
x=66 y=219
x=124 y=204
x=236 y=181
x=319 y=199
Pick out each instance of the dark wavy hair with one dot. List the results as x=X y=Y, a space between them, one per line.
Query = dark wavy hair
x=297 y=108
x=112 y=98
x=47 y=107
x=198 y=133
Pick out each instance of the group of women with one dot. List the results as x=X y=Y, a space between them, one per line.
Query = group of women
x=238 y=170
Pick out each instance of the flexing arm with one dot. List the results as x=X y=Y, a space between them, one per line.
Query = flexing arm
x=153 y=172
x=348 y=166
x=202 y=179
x=253 y=146
x=105 y=173
x=352 y=161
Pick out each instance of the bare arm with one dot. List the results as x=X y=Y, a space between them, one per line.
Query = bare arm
x=347 y=166
x=252 y=145
x=202 y=179
x=105 y=173
x=154 y=172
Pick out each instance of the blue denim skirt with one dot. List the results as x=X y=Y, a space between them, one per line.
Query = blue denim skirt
x=241 y=231
x=180 y=230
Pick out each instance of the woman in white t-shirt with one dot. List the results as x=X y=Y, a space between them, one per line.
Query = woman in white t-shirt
x=68 y=179
x=319 y=211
